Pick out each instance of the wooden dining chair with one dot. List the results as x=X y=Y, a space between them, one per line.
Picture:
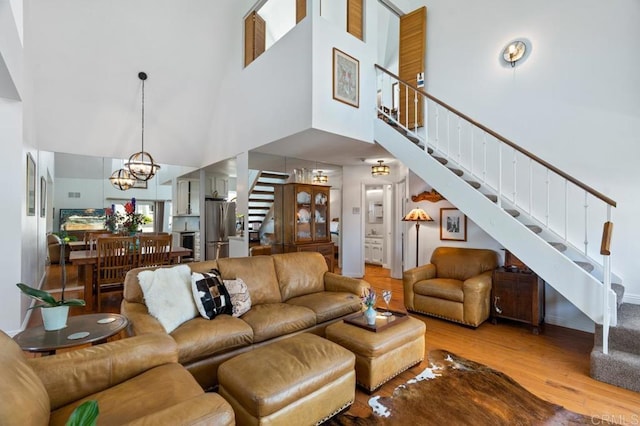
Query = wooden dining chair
x=154 y=250
x=116 y=256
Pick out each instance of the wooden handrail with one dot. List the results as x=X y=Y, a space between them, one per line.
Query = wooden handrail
x=505 y=140
x=605 y=247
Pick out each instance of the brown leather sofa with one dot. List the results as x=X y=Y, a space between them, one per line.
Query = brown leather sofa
x=456 y=285
x=135 y=381
x=53 y=249
x=291 y=293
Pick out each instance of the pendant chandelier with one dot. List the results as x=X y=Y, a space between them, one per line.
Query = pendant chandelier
x=319 y=178
x=121 y=179
x=380 y=169
x=141 y=164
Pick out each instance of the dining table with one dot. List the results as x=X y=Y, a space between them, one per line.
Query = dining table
x=88 y=259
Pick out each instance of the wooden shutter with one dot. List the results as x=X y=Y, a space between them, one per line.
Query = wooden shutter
x=254 y=37
x=413 y=41
x=301 y=10
x=354 y=18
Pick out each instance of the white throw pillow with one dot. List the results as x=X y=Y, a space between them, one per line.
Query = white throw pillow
x=240 y=298
x=167 y=294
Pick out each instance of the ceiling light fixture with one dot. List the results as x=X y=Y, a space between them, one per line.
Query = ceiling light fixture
x=121 y=179
x=514 y=52
x=380 y=169
x=140 y=164
x=319 y=178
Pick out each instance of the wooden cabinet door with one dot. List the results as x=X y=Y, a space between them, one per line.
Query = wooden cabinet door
x=413 y=41
x=320 y=217
x=303 y=196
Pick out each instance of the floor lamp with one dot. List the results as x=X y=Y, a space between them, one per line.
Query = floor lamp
x=417 y=216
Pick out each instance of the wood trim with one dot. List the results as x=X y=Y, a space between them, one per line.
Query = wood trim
x=432 y=196
x=354 y=18
x=504 y=140
x=607 y=230
x=301 y=10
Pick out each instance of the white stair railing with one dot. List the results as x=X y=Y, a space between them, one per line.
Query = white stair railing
x=566 y=208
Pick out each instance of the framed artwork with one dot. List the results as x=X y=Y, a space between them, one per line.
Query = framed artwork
x=453 y=225
x=140 y=184
x=31 y=186
x=346 y=78
x=43 y=196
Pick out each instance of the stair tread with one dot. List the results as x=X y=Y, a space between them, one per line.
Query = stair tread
x=585 y=265
x=441 y=160
x=473 y=183
x=534 y=228
x=618 y=368
x=558 y=246
x=492 y=197
x=629 y=316
x=261 y=192
x=456 y=171
x=275 y=175
x=619 y=290
x=512 y=212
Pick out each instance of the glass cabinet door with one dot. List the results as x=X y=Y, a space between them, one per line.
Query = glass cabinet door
x=304 y=213
x=321 y=214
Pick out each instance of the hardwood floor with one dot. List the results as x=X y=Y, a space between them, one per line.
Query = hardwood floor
x=553 y=365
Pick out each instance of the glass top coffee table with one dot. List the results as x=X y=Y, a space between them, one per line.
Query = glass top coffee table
x=80 y=330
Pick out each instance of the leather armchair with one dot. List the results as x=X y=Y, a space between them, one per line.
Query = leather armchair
x=135 y=381
x=456 y=285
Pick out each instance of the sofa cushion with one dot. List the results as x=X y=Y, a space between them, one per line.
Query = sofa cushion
x=462 y=263
x=257 y=272
x=24 y=398
x=328 y=305
x=277 y=319
x=240 y=297
x=299 y=273
x=161 y=386
x=200 y=338
x=210 y=295
x=168 y=296
x=441 y=288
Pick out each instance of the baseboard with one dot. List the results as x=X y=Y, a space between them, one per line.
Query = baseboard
x=567 y=323
x=631 y=298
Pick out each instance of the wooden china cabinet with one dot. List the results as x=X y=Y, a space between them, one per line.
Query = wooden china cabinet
x=301 y=219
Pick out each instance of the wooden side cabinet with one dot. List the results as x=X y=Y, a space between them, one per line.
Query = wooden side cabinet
x=518 y=296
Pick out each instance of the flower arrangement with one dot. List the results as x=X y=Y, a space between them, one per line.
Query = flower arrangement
x=129 y=222
x=111 y=219
x=369 y=299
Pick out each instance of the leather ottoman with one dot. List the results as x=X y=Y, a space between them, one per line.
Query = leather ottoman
x=382 y=355
x=301 y=380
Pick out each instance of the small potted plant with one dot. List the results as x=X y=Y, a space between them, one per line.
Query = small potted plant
x=54 y=312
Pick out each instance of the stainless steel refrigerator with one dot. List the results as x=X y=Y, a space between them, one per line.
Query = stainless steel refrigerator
x=220 y=224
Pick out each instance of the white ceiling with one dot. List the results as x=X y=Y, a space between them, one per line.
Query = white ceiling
x=84 y=56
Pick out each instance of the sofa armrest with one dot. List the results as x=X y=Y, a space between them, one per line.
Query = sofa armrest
x=412 y=276
x=140 y=320
x=477 y=292
x=70 y=376
x=335 y=282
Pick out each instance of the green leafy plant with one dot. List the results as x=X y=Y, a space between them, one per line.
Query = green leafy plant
x=86 y=414
x=47 y=299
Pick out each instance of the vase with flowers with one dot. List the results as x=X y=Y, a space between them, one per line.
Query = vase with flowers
x=111 y=219
x=369 y=301
x=132 y=220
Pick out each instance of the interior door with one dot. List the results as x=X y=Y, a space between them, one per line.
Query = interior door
x=354 y=18
x=413 y=41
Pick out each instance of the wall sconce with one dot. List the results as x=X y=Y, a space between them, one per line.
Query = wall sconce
x=380 y=169
x=514 y=52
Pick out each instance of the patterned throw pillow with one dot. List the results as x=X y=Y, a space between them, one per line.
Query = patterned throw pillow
x=240 y=298
x=210 y=295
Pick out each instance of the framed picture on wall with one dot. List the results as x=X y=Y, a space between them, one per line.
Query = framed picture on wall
x=43 y=196
x=140 y=184
x=453 y=225
x=31 y=186
x=346 y=78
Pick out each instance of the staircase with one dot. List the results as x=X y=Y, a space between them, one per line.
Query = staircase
x=511 y=195
x=261 y=197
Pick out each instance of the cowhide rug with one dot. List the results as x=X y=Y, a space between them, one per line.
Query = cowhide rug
x=456 y=391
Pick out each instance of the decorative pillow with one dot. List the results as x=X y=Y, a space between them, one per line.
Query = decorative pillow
x=167 y=295
x=240 y=298
x=210 y=295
